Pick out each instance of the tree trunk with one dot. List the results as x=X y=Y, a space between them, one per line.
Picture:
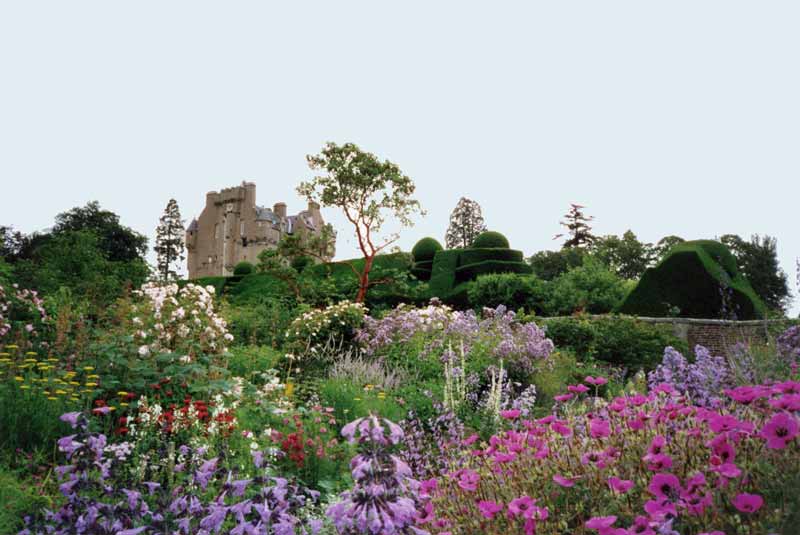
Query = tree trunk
x=364 y=280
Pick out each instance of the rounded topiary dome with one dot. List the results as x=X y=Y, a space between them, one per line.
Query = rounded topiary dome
x=425 y=249
x=243 y=268
x=490 y=240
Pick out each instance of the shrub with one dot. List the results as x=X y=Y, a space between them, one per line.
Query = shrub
x=619 y=340
x=473 y=255
x=443 y=274
x=300 y=263
x=260 y=323
x=243 y=268
x=510 y=289
x=471 y=271
x=490 y=240
x=698 y=279
x=425 y=249
x=589 y=288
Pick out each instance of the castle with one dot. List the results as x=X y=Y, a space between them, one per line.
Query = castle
x=233 y=229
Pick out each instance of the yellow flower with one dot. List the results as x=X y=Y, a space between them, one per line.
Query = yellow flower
x=52 y=360
x=88 y=368
x=74 y=383
x=12 y=346
x=25 y=387
x=122 y=393
x=18 y=378
x=356 y=399
x=91 y=384
x=289 y=389
x=123 y=404
x=60 y=392
x=31 y=353
x=93 y=376
x=52 y=398
x=112 y=408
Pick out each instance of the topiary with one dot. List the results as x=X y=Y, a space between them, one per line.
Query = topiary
x=697 y=279
x=243 y=268
x=425 y=249
x=490 y=240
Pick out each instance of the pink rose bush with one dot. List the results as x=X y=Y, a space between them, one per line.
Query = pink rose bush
x=637 y=464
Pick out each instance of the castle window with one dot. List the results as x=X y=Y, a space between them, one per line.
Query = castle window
x=241 y=229
x=216 y=231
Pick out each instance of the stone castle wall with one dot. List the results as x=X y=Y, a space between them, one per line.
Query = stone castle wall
x=232 y=228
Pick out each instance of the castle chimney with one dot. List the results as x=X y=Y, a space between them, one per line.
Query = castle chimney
x=313 y=207
x=280 y=210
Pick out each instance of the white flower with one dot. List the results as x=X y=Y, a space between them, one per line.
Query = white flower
x=144 y=351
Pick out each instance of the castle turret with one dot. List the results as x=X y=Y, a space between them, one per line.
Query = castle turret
x=280 y=210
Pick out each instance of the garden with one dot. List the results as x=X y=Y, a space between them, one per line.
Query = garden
x=443 y=391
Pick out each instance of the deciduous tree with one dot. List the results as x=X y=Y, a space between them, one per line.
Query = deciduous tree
x=466 y=222
x=366 y=189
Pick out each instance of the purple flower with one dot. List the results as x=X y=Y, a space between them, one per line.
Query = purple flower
x=71 y=418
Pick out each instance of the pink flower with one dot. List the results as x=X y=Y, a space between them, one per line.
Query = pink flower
x=657 y=445
x=596 y=381
x=561 y=428
x=713 y=533
x=488 y=508
x=522 y=506
x=599 y=428
x=564 y=481
x=641 y=526
x=780 y=430
x=600 y=522
x=578 y=389
x=468 y=480
x=665 y=486
x=748 y=503
x=657 y=463
x=787 y=402
x=728 y=470
x=620 y=486
x=563 y=397
x=720 y=423
x=510 y=414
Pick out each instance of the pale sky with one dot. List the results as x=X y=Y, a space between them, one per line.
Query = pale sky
x=679 y=117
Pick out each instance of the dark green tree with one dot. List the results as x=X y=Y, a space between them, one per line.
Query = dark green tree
x=578 y=230
x=547 y=265
x=466 y=223
x=170 y=235
x=757 y=260
x=120 y=243
x=626 y=256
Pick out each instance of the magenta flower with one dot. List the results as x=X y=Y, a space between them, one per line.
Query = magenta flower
x=561 y=428
x=658 y=463
x=468 y=480
x=657 y=445
x=728 y=470
x=599 y=428
x=600 y=522
x=488 y=508
x=748 y=503
x=563 y=397
x=564 y=481
x=787 y=402
x=665 y=486
x=510 y=414
x=780 y=430
x=578 y=389
x=596 y=381
x=522 y=506
x=620 y=486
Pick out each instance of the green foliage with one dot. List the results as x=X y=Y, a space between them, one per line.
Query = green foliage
x=243 y=268
x=301 y=262
x=757 y=261
x=18 y=498
x=618 y=340
x=697 y=279
x=589 y=288
x=578 y=229
x=472 y=271
x=626 y=256
x=169 y=247
x=425 y=249
x=248 y=361
x=547 y=265
x=351 y=401
x=261 y=323
x=513 y=290
x=466 y=223
x=490 y=240
x=443 y=273
x=475 y=255
x=218 y=283
x=76 y=260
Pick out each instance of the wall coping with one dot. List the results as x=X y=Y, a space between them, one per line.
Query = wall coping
x=679 y=321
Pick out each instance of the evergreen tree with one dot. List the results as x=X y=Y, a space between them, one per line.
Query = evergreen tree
x=757 y=259
x=580 y=233
x=466 y=222
x=170 y=236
